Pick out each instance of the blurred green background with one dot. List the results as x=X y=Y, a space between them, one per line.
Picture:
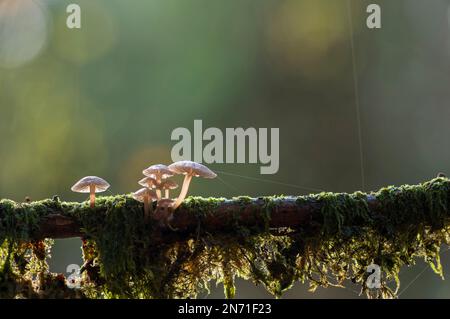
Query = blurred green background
x=103 y=100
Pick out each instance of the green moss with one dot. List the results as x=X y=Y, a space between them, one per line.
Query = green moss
x=123 y=259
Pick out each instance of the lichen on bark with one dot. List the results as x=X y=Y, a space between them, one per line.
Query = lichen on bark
x=127 y=256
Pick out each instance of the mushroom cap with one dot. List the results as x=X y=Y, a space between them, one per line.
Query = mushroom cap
x=168 y=184
x=166 y=202
x=149 y=182
x=158 y=171
x=83 y=185
x=192 y=168
x=140 y=194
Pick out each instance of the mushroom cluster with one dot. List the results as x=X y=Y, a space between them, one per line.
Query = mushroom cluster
x=156 y=183
x=156 y=186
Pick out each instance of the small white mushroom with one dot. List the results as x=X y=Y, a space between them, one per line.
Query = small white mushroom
x=163 y=185
x=158 y=172
x=189 y=169
x=166 y=186
x=146 y=196
x=149 y=182
x=91 y=185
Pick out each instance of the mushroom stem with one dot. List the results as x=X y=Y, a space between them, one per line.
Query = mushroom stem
x=92 y=195
x=146 y=205
x=184 y=190
x=166 y=194
x=158 y=191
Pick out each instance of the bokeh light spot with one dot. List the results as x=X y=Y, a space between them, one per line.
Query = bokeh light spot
x=23 y=32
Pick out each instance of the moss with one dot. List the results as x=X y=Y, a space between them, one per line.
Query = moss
x=123 y=259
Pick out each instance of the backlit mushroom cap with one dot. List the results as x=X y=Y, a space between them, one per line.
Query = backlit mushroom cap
x=140 y=194
x=149 y=182
x=192 y=168
x=84 y=184
x=158 y=171
x=167 y=184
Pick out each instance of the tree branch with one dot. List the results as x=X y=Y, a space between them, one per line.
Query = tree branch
x=325 y=238
x=61 y=220
x=285 y=212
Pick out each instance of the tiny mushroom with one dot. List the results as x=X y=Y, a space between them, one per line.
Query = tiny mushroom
x=189 y=169
x=146 y=196
x=91 y=185
x=148 y=182
x=158 y=172
x=167 y=185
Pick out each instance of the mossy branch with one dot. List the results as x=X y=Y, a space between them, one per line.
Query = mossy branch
x=219 y=215
x=323 y=238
